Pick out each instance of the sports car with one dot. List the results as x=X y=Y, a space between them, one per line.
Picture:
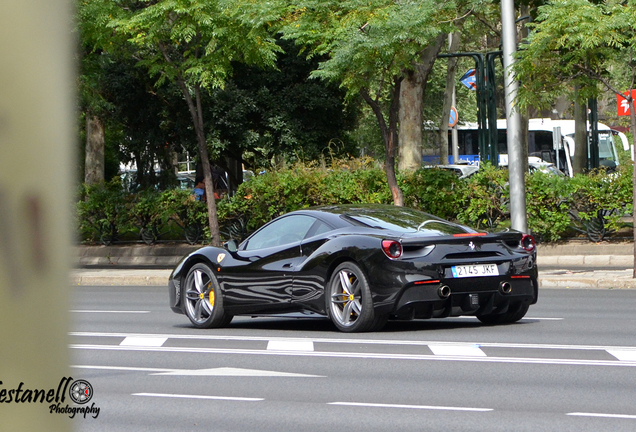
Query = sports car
x=360 y=265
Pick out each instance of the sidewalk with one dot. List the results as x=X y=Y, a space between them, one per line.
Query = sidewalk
x=141 y=265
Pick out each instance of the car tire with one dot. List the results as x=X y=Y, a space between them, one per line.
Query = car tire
x=515 y=312
x=203 y=298
x=349 y=300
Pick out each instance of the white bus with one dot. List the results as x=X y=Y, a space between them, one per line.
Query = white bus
x=540 y=143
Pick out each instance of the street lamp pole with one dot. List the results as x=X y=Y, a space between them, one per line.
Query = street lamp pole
x=518 y=216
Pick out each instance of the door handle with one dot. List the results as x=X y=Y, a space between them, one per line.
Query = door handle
x=288 y=265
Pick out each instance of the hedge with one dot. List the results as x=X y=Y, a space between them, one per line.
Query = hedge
x=557 y=207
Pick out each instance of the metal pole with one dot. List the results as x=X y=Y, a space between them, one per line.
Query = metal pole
x=593 y=134
x=454 y=136
x=518 y=216
x=491 y=94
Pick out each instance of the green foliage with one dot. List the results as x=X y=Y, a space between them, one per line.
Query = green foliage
x=601 y=196
x=182 y=208
x=574 y=42
x=555 y=204
x=195 y=41
x=436 y=191
x=262 y=113
x=367 y=41
x=487 y=198
x=547 y=205
x=150 y=213
x=103 y=211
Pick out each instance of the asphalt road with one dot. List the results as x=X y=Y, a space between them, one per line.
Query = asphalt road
x=569 y=366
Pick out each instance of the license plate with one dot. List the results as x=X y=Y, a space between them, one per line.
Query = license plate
x=475 y=270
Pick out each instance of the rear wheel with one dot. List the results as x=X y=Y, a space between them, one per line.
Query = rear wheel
x=515 y=312
x=203 y=299
x=349 y=300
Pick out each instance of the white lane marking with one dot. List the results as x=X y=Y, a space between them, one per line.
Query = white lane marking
x=146 y=341
x=122 y=368
x=358 y=341
x=621 y=416
x=524 y=318
x=465 y=350
x=360 y=355
x=108 y=311
x=235 y=372
x=183 y=396
x=422 y=407
x=290 y=345
x=222 y=371
x=623 y=354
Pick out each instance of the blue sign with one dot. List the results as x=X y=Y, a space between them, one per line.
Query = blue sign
x=470 y=79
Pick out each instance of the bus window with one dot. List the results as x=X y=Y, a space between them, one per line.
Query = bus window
x=605 y=147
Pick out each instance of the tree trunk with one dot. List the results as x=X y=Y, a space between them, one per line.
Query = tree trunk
x=410 y=115
x=579 y=162
x=390 y=137
x=197 y=120
x=410 y=109
x=448 y=99
x=94 y=161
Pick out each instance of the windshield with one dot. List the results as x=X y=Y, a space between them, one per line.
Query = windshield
x=606 y=146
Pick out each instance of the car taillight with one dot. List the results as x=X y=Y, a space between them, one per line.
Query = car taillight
x=527 y=242
x=392 y=248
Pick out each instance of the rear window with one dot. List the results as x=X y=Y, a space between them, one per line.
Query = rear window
x=402 y=220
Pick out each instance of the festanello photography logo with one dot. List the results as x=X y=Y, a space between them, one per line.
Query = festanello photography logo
x=79 y=391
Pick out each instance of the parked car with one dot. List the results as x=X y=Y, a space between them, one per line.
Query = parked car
x=537 y=164
x=360 y=265
x=462 y=170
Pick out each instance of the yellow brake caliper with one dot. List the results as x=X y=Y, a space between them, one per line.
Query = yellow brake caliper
x=351 y=297
x=211 y=295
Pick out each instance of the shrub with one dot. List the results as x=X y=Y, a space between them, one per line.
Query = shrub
x=547 y=205
x=191 y=215
x=103 y=211
x=592 y=203
x=487 y=198
x=599 y=200
x=436 y=191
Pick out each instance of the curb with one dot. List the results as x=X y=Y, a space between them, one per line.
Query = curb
x=159 y=255
x=147 y=278
x=567 y=261
x=610 y=279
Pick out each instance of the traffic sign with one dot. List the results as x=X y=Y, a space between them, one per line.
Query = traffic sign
x=470 y=79
x=452 y=119
x=622 y=106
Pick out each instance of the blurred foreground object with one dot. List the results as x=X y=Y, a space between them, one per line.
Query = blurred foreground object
x=36 y=124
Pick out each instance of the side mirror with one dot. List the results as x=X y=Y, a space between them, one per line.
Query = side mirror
x=231 y=245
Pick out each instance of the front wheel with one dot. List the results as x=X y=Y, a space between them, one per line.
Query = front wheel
x=203 y=299
x=515 y=312
x=349 y=300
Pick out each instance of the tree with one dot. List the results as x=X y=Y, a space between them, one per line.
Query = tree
x=279 y=112
x=577 y=44
x=370 y=47
x=191 y=43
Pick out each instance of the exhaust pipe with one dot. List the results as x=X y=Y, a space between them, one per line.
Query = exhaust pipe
x=444 y=292
x=505 y=287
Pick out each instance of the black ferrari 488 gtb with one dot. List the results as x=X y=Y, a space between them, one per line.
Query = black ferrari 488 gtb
x=360 y=265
